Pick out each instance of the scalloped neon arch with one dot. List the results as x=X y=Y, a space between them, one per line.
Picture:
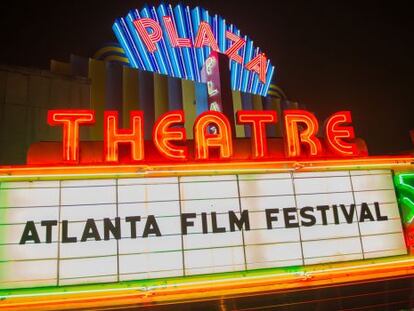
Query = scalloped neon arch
x=186 y=62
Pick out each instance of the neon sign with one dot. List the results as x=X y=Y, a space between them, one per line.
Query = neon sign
x=178 y=41
x=70 y=120
x=212 y=132
x=99 y=230
x=404 y=183
x=224 y=222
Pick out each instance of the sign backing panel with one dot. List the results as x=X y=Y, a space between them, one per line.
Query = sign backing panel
x=212 y=243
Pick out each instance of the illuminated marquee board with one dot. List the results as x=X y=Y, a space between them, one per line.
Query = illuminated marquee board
x=177 y=42
x=129 y=229
x=173 y=219
x=191 y=208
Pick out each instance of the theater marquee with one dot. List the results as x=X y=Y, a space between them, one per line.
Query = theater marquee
x=171 y=219
x=129 y=229
x=75 y=228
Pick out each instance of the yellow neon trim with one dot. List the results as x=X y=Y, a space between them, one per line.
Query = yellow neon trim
x=175 y=169
x=108 y=49
x=116 y=58
x=319 y=275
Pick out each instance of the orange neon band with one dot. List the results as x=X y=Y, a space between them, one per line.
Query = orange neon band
x=336 y=133
x=164 y=133
x=204 y=140
x=295 y=136
x=115 y=136
x=258 y=121
x=70 y=120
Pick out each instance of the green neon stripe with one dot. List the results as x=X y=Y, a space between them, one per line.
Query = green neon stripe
x=408 y=209
x=152 y=284
x=145 y=285
x=404 y=184
x=3 y=219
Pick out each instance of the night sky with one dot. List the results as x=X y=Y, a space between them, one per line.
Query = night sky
x=329 y=55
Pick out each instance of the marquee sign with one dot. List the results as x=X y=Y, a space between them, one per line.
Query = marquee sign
x=169 y=137
x=165 y=215
x=61 y=232
x=169 y=216
x=177 y=42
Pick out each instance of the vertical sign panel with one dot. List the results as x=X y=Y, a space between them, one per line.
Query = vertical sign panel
x=329 y=239
x=28 y=264
x=85 y=256
x=219 y=250
x=379 y=239
x=269 y=243
x=143 y=254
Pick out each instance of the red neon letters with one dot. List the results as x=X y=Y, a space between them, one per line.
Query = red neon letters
x=163 y=133
x=232 y=51
x=258 y=120
x=205 y=37
x=151 y=32
x=258 y=65
x=173 y=35
x=114 y=136
x=336 y=133
x=301 y=127
x=149 y=38
x=212 y=130
x=70 y=120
